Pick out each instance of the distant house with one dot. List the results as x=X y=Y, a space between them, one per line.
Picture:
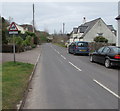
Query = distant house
x=89 y=30
x=27 y=27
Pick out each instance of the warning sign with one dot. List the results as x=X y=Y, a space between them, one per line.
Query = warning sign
x=13 y=27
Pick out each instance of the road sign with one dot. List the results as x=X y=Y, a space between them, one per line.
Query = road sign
x=13 y=27
x=13 y=30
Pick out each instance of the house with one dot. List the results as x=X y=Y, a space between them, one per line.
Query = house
x=27 y=27
x=89 y=30
x=118 y=19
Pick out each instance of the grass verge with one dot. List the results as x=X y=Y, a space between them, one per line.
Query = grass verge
x=61 y=45
x=15 y=77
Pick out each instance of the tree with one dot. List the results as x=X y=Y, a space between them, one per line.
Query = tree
x=4 y=31
x=100 y=39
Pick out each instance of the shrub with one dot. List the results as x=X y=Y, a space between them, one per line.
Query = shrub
x=100 y=39
x=29 y=40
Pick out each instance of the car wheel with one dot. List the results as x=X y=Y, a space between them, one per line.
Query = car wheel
x=74 y=53
x=107 y=63
x=91 y=59
x=68 y=51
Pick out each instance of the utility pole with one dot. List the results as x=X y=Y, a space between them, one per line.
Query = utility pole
x=33 y=19
x=118 y=32
x=63 y=28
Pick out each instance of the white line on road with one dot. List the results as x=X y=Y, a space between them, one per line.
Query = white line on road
x=63 y=57
x=106 y=89
x=60 y=61
x=58 y=52
x=75 y=66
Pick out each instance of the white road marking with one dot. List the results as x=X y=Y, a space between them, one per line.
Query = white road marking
x=106 y=89
x=63 y=57
x=60 y=61
x=38 y=58
x=58 y=52
x=75 y=66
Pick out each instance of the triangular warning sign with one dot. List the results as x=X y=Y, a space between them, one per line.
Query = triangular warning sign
x=13 y=27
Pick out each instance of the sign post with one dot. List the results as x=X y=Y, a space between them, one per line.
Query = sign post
x=13 y=30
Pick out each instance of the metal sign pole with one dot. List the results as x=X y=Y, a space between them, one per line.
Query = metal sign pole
x=14 y=48
x=13 y=30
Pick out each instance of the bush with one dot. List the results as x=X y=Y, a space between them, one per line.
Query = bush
x=30 y=34
x=18 y=41
x=100 y=39
x=29 y=40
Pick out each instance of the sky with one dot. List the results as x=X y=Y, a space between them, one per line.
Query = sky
x=50 y=16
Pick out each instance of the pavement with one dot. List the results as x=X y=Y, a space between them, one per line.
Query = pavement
x=29 y=56
x=66 y=81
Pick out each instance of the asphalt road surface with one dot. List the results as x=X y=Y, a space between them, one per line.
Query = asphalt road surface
x=66 y=81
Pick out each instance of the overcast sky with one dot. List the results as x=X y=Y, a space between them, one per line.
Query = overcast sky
x=51 y=15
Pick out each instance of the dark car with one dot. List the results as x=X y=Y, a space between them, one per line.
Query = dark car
x=107 y=55
x=79 y=47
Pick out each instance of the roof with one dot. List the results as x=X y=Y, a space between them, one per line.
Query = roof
x=82 y=29
x=111 y=27
x=118 y=18
x=27 y=27
x=88 y=26
x=75 y=30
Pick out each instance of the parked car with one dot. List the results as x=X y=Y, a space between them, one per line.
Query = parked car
x=79 y=47
x=107 y=55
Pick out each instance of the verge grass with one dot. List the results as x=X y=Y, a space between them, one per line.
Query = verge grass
x=15 y=77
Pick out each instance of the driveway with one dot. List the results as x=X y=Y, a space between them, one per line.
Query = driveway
x=27 y=56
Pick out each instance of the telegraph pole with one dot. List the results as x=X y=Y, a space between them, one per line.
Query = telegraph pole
x=63 y=28
x=33 y=19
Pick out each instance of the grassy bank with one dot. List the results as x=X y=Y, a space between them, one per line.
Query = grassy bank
x=14 y=81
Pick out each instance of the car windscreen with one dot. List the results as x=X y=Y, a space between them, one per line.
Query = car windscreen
x=116 y=49
x=82 y=44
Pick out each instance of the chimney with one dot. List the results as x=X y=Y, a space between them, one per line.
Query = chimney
x=84 y=20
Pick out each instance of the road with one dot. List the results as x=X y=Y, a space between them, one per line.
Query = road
x=66 y=81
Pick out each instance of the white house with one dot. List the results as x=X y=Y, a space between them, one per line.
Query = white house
x=89 y=30
x=118 y=19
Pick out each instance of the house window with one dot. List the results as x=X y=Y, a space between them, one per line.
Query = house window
x=99 y=34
